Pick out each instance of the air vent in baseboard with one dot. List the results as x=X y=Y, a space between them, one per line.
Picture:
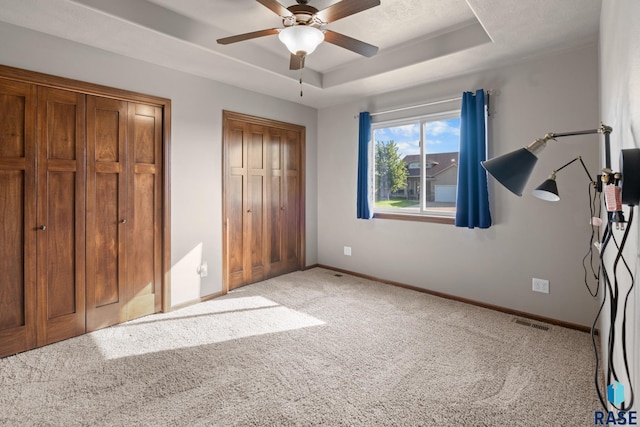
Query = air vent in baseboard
x=532 y=325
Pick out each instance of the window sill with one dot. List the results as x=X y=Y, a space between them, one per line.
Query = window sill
x=418 y=218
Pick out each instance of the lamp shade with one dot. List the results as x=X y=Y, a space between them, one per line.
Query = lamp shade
x=512 y=169
x=301 y=39
x=548 y=190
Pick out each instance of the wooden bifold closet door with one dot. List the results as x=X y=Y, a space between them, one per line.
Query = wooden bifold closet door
x=60 y=215
x=17 y=216
x=124 y=211
x=42 y=237
x=83 y=209
x=263 y=198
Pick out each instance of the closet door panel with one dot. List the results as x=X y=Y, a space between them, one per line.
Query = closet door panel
x=16 y=101
x=235 y=192
x=12 y=246
x=17 y=263
x=106 y=211
x=107 y=241
x=17 y=216
x=60 y=211
x=235 y=225
x=255 y=235
x=291 y=217
x=145 y=210
x=274 y=201
x=142 y=247
x=60 y=249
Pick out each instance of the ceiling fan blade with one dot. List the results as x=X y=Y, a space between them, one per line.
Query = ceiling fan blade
x=248 y=36
x=296 y=62
x=275 y=7
x=350 y=43
x=345 y=8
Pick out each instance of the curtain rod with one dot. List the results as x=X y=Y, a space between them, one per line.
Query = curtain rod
x=442 y=101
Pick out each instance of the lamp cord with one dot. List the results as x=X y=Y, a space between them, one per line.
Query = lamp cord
x=613 y=304
x=596 y=352
x=596 y=275
x=605 y=242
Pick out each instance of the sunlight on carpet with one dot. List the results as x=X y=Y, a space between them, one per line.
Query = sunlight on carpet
x=213 y=322
x=308 y=349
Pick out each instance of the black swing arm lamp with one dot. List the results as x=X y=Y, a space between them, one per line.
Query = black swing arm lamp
x=513 y=169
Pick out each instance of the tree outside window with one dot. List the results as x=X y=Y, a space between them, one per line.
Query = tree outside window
x=391 y=171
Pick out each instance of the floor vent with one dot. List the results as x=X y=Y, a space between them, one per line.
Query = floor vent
x=541 y=327
x=522 y=322
x=533 y=325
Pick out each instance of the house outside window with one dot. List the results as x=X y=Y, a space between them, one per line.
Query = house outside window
x=416 y=165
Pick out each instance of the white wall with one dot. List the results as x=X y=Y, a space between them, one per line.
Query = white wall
x=196 y=150
x=620 y=109
x=530 y=238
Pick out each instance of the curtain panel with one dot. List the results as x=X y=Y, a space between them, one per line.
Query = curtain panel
x=472 y=204
x=364 y=138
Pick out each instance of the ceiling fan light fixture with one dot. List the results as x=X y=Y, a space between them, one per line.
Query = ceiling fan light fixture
x=301 y=39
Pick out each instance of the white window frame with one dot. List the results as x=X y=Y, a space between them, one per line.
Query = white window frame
x=423 y=211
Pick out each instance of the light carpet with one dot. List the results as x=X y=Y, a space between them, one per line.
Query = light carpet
x=308 y=349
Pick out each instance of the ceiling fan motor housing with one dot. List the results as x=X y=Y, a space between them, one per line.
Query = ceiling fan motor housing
x=302 y=15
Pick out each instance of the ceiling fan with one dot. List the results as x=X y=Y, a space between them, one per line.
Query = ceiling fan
x=304 y=28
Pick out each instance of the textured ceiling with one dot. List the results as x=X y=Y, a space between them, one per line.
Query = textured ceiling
x=420 y=41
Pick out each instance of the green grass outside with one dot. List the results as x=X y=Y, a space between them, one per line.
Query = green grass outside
x=402 y=203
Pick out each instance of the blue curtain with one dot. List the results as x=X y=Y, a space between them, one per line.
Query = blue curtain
x=472 y=205
x=364 y=137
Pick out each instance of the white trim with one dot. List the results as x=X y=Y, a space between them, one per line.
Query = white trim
x=488 y=92
x=431 y=117
x=428 y=104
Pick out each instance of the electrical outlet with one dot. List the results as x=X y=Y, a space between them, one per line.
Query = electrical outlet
x=540 y=285
x=347 y=250
x=203 y=269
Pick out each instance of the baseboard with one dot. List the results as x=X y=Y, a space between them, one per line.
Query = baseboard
x=218 y=294
x=506 y=310
x=197 y=300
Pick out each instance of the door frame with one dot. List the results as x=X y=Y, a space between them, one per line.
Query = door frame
x=249 y=119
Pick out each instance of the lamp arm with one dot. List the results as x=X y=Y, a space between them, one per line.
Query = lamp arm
x=568 y=163
x=553 y=174
x=603 y=129
x=585 y=169
x=574 y=133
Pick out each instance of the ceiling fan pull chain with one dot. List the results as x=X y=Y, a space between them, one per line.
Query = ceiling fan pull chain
x=301 y=82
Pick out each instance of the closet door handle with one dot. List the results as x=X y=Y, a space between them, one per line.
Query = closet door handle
x=42 y=228
x=248 y=210
x=123 y=221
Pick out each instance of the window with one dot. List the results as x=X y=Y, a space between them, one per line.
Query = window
x=416 y=165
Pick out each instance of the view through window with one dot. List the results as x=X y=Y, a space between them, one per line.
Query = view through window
x=416 y=165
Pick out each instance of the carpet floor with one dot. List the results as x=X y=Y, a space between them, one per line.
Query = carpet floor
x=310 y=348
